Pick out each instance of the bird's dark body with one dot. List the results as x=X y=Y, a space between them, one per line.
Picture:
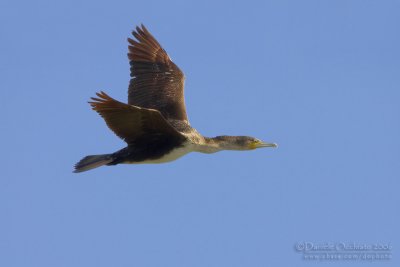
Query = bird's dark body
x=149 y=147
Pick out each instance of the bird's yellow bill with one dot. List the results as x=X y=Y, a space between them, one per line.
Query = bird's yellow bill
x=257 y=144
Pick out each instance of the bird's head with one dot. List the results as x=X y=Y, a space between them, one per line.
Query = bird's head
x=241 y=142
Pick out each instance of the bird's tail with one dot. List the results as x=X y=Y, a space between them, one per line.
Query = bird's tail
x=93 y=161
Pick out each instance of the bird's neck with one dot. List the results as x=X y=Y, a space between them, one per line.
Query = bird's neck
x=212 y=144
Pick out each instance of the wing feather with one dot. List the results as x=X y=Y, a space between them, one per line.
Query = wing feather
x=130 y=122
x=157 y=83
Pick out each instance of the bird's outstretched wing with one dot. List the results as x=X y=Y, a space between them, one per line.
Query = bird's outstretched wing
x=157 y=83
x=130 y=122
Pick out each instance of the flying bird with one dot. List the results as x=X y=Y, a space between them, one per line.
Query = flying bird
x=154 y=123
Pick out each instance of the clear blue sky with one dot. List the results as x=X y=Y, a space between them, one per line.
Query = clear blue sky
x=320 y=78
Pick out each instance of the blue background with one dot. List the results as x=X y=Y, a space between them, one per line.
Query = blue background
x=320 y=78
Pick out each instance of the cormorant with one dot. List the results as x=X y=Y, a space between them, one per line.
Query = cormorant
x=154 y=123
